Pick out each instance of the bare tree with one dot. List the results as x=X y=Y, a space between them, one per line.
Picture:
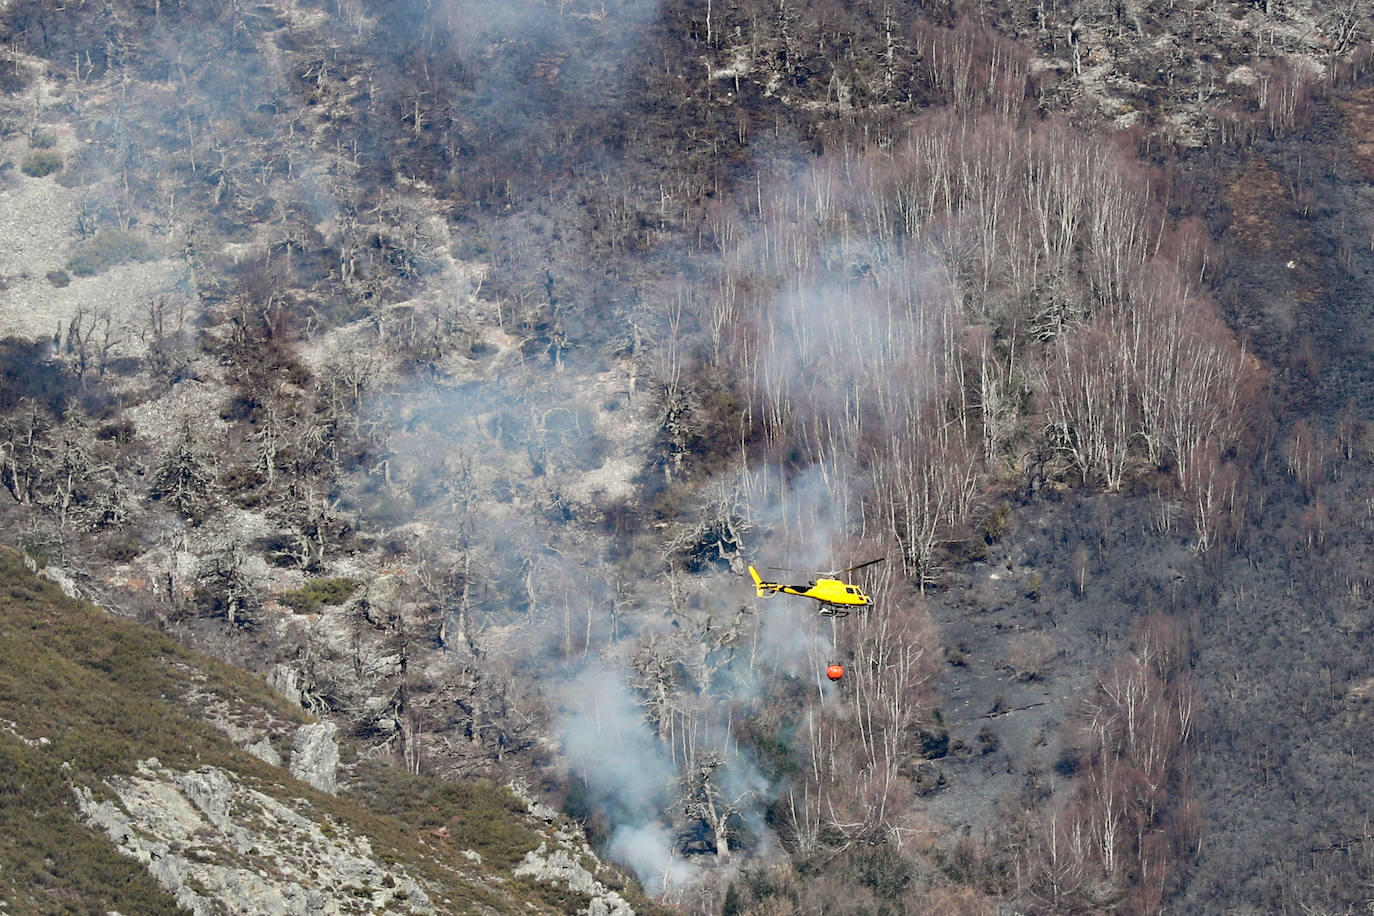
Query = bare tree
x=1305 y=453
x=184 y=478
x=704 y=798
x=1091 y=409
x=23 y=449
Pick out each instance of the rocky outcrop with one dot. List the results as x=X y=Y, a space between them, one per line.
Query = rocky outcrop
x=563 y=866
x=63 y=580
x=211 y=842
x=315 y=755
x=285 y=679
x=567 y=863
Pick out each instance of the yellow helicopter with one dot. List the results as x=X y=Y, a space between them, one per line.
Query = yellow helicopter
x=835 y=595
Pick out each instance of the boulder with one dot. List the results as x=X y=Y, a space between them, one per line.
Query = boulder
x=315 y=755
x=264 y=751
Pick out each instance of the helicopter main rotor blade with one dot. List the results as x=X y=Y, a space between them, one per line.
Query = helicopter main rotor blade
x=862 y=565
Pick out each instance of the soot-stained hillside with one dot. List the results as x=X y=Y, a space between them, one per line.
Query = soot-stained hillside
x=446 y=364
x=1282 y=659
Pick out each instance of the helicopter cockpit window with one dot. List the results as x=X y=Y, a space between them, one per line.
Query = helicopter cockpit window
x=850 y=589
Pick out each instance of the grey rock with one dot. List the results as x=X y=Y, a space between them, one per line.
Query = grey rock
x=611 y=904
x=315 y=755
x=562 y=866
x=285 y=680
x=210 y=791
x=63 y=580
x=537 y=808
x=558 y=866
x=265 y=752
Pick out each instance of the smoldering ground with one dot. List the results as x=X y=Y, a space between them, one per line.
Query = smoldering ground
x=645 y=672
x=647 y=669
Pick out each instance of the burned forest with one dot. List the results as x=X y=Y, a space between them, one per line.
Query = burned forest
x=441 y=367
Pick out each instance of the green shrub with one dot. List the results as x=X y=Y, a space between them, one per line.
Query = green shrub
x=770 y=750
x=121 y=430
x=59 y=278
x=309 y=597
x=478 y=814
x=36 y=549
x=43 y=139
x=241 y=483
x=107 y=249
x=125 y=549
x=934 y=738
x=557 y=898
x=994 y=525
x=882 y=869
x=41 y=163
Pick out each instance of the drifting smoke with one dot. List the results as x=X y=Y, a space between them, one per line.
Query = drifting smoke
x=607 y=741
x=851 y=353
x=805 y=514
x=634 y=772
x=859 y=321
x=534 y=70
x=792 y=641
x=631 y=779
x=648 y=851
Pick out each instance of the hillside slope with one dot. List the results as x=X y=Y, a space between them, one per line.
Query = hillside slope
x=141 y=777
x=445 y=362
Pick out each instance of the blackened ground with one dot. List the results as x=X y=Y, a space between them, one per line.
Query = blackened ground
x=1284 y=768
x=1283 y=760
x=1029 y=631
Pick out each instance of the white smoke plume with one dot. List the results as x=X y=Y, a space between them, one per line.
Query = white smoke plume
x=647 y=849
x=609 y=745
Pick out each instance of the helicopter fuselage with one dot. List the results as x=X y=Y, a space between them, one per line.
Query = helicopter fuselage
x=835 y=595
